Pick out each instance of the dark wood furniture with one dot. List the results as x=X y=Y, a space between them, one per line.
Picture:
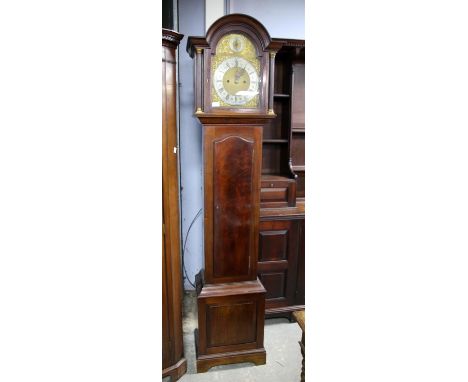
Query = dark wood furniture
x=173 y=361
x=282 y=226
x=233 y=101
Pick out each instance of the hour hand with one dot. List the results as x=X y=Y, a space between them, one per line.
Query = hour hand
x=237 y=75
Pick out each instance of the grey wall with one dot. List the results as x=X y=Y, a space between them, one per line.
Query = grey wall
x=191 y=23
x=282 y=19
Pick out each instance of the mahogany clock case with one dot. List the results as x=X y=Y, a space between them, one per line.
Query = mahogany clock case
x=231 y=298
x=254 y=199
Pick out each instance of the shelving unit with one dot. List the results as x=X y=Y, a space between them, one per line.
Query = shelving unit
x=276 y=134
x=298 y=122
x=281 y=249
x=284 y=136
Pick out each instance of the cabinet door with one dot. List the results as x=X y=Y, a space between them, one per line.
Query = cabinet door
x=300 y=286
x=277 y=263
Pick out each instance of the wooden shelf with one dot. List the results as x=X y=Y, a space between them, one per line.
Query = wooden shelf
x=298 y=168
x=275 y=141
x=280 y=95
x=299 y=210
x=269 y=177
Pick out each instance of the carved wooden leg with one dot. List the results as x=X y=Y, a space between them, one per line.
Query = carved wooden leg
x=300 y=318
x=302 y=343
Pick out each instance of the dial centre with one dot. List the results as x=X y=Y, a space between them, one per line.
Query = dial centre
x=236 y=79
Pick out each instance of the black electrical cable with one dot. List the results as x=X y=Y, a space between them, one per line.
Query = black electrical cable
x=185 y=243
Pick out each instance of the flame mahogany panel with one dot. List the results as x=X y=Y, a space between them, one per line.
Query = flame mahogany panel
x=231 y=323
x=232 y=197
x=233 y=201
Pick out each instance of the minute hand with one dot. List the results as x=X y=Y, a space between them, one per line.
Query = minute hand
x=237 y=76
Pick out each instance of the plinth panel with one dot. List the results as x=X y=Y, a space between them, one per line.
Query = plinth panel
x=230 y=323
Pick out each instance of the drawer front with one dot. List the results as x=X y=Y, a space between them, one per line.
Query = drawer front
x=277 y=193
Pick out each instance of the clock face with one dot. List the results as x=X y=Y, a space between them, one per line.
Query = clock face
x=235 y=70
x=236 y=81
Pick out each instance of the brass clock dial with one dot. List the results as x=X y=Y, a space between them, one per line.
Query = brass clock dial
x=235 y=73
x=236 y=81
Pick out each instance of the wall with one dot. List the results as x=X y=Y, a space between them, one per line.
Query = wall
x=191 y=23
x=282 y=19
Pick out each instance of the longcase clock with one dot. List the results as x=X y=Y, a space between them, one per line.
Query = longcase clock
x=234 y=66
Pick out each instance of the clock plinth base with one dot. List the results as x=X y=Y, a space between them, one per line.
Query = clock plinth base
x=231 y=320
x=176 y=371
x=206 y=362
